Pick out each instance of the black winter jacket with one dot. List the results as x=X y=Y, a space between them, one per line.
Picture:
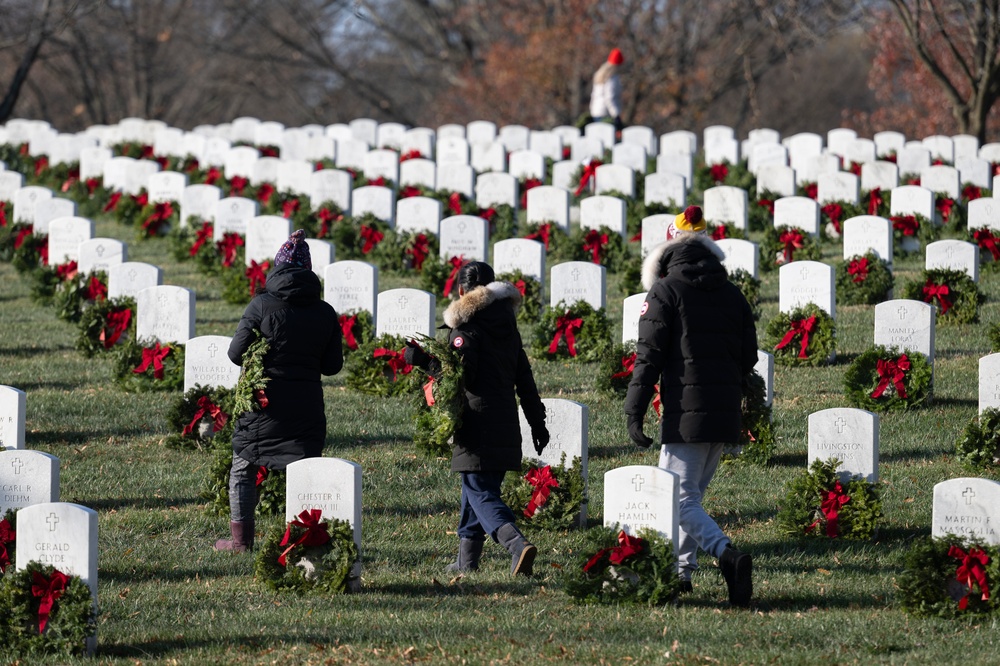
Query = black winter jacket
x=697 y=340
x=484 y=331
x=304 y=336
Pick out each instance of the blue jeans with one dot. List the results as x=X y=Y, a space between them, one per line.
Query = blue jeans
x=482 y=512
x=242 y=490
x=695 y=464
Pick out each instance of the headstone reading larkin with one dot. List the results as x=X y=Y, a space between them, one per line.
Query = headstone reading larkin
x=573 y=281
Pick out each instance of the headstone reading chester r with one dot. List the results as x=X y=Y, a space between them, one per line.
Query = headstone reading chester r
x=207 y=364
x=638 y=496
x=573 y=281
x=567 y=422
x=405 y=312
x=12 y=406
x=967 y=507
x=851 y=436
x=27 y=478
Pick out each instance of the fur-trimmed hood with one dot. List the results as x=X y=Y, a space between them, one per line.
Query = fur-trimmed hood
x=462 y=310
x=655 y=265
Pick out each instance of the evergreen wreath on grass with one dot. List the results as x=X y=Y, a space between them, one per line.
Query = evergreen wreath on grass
x=320 y=220
x=270 y=483
x=377 y=368
x=547 y=497
x=104 y=324
x=804 y=336
x=757 y=439
x=863 y=280
x=46 y=280
x=989 y=247
x=29 y=249
x=622 y=568
x=979 y=446
x=503 y=221
x=193 y=242
x=577 y=331
x=631 y=276
x=917 y=227
x=615 y=371
x=356 y=329
x=440 y=407
x=12 y=234
x=818 y=504
x=531 y=295
x=241 y=283
x=885 y=379
x=954 y=293
x=749 y=287
x=439 y=277
x=63 y=630
x=310 y=555
x=197 y=416
x=8 y=543
x=149 y=366
x=760 y=212
x=725 y=230
x=409 y=251
x=558 y=245
x=600 y=246
x=73 y=295
x=363 y=238
x=832 y=216
x=157 y=219
x=949 y=577
x=785 y=244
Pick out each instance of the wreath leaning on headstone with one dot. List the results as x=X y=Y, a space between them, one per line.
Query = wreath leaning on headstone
x=863 y=280
x=615 y=370
x=885 y=379
x=989 y=247
x=750 y=288
x=73 y=296
x=149 y=366
x=602 y=246
x=757 y=439
x=954 y=293
x=575 y=331
x=378 y=368
x=439 y=412
x=531 y=294
x=310 y=555
x=356 y=329
x=623 y=568
x=106 y=323
x=545 y=496
x=950 y=576
x=804 y=336
x=784 y=244
x=910 y=233
x=979 y=446
x=44 y=611
x=197 y=416
x=819 y=504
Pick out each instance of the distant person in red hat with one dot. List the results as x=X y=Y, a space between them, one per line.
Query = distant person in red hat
x=606 y=96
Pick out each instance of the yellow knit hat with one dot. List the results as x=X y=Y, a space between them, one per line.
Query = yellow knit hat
x=691 y=220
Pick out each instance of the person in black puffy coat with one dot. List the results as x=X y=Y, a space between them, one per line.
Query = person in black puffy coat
x=488 y=443
x=697 y=340
x=305 y=342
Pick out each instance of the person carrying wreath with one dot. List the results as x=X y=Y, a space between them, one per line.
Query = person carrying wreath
x=487 y=445
x=697 y=340
x=304 y=341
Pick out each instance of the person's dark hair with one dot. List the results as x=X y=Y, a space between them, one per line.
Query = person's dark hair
x=475 y=274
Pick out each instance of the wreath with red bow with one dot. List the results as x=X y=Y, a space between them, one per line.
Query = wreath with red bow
x=378 y=368
x=820 y=504
x=198 y=416
x=241 y=283
x=440 y=407
x=884 y=379
x=73 y=295
x=979 y=445
x=149 y=366
x=950 y=576
x=916 y=228
x=954 y=293
x=558 y=245
x=804 y=336
x=784 y=244
x=602 y=246
x=310 y=554
x=366 y=238
x=105 y=324
x=619 y=567
x=545 y=496
x=356 y=329
x=577 y=331
x=531 y=294
x=863 y=280
x=616 y=367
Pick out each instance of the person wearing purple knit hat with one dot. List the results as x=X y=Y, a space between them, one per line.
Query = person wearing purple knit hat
x=305 y=343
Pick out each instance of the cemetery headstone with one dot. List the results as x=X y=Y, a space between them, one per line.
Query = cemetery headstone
x=851 y=436
x=631 y=311
x=573 y=281
x=740 y=255
x=206 y=362
x=405 y=312
x=906 y=324
x=232 y=215
x=131 y=277
x=351 y=286
x=265 y=236
x=804 y=282
x=801 y=212
x=465 y=236
x=765 y=368
x=418 y=214
x=548 y=204
x=12 y=412
x=989 y=383
x=100 y=254
x=27 y=478
x=520 y=254
x=642 y=496
x=165 y=314
x=331 y=485
x=966 y=507
x=868 y=233
x=65 y=236
x=955 y=255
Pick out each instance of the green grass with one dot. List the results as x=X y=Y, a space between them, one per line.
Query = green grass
x=167 y=597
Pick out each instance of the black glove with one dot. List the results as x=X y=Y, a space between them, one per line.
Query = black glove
x=635 y=432
x=414 y=354
x=540 y=438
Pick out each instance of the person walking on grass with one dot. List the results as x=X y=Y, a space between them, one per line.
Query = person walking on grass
x=606 y=94
x=304 y=342
x=488 y=443
x=697 y=340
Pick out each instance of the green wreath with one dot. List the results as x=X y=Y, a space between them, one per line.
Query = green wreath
x=186 y=408
x=757 y=438
x=558 y=247
x=249 y=394
x=236 y=283
x=615 y=371
x=979 y=446
x=435 y=425
x=434 y=275
x=862 y=380
x=928 y=585
x=27 y=258
x=362 y=329
x=805 y=511
x=560 y=509
x=326 y=568
x=822 y=341
x=95 y=336
x=592 y=338
x=373 y=375
x=631 y=276
x=348 y=237
x=185 y=246
x=749 y=287
x=961 y=303
x=10 y=232
x=774 y=252
x=726 y=230
x=531 y=294
x=760 y=216
x=46 y=280
x=320 y=220
x=989 y=247
x=503 y=222
x=71 y=296
x=863 y=280
x=611 y=249
x=613 y=572
x=912 y=226
x=157 y=219
x=956 y=214
x=270 y=483
x=128 y=357
x=404 y=253
x=832 y=217
x=71 y=621
x=8 y=543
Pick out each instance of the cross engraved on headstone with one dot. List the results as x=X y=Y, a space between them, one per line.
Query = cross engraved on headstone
x=968 y=495
x=348 y=272
x=402 y=302
x=902 y=312
x=131 y=275
x=576 y=274
x=17 y=465
x=52 y=520
x=516 y=251
x=212 y=348
x=99 y=251
x=162 y=300
x=804 y=273
x=840 y=423
x=234 y=207
x=461 y=227
x=637 y=482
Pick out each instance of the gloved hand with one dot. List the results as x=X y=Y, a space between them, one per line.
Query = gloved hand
x=414 y=354
x=635 y=432
x=540 y=438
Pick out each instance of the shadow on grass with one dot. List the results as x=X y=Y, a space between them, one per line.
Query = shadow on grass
x=797 y=460
x=73 y=437
x=462 y=587
x=25 y=352
x=908 y=454
x=28 y=387
x=205 y=571
x=845 y=358
x=957 y=402
x=422 y=511
x=141 y=503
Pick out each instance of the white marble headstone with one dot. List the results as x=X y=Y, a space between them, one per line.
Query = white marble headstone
x=804 y=282
x=966 y=507
x=881 y=175
x=573 y=281
x=725 y=204
x=377 y=200
x=740 y=255
x=548 y=204
x=164 y=186
x=839 y=186
x=418 y=214
x=497 y=189
x=666 y=189
x=131 y=277
x=851 y=436
x=65 y=236
x=405 y=312
x=199 y=202
x=207 y=363
x=12 y=413
x=331 y=185
x=165 y=314
x=567 y=422
x=868 y=233
x=265 y=236
x=26 y=478
x=955 y=255
x=989 y=382
x=631 y=308
x=332 y=485
x=100 y=254
x=51 y=208
x=906 y=324
x=614 y=178
x=418 y=173
x=603 y=211
x=801 y=212
x=642 y=496
x=351 y=286
x=465 y=236
x=765 y=368
x=232 y=215
x=520 y=254
x=654 y=231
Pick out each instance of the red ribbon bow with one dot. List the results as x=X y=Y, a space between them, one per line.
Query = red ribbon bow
x=456 y=265
x=115 y=324
x=140 y=199
x=568 y=326
x=628 y=546
x=938 y=291
x=49 y=589
x=377 y=182
x=894 y=372
x=262 y=473
x=257 y=274
x=811 y=190
x=395 y=361
x=3 y=213
x=803 y=327
x=657 y=400
x=41 y=164
x=316 y=533
x=906 y=223
x=529 y=184
x=227 y=247
x=834 y=211
x=161 y=213
x=23 y=233
x=830 y=506
x=543 y=482
x=236 y=185
x=985 y=239
x=66 y=271
x=96 y=290
x=212 y=176
x=455 y=203
x=154 y=355
x=7 y=536
x=971 y=193
x=372 y=237
x=628 y=363
x=265 y=192
x=589 y=171
x=290 y=207
x=201 y=238
x=326 y=216
x=429 y=392
x=410 y=191
x=411 y=155
x=261 y=398
x=543 y=233
x=859 y=269
x=719 y=172
x=347 y=323
x=419 y=251
x=205 y=406
x=971 y=570
x=792 y=240
x=768 y=204
x=944 y=205
x=522 y=287
x=594 y=242
x=874 y=201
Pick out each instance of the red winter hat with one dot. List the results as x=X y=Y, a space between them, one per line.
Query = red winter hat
x=616 y=57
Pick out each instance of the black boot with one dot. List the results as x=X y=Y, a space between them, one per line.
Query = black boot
x=521 y=550
x=242 y=540
x=469 y=552
x=737 y=569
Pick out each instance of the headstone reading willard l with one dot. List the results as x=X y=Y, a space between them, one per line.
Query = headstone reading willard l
x=967 y=507
x=207 y=364
x=638 y=496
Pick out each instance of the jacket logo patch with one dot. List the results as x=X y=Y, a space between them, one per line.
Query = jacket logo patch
x=458 y=342
x=644 y=308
